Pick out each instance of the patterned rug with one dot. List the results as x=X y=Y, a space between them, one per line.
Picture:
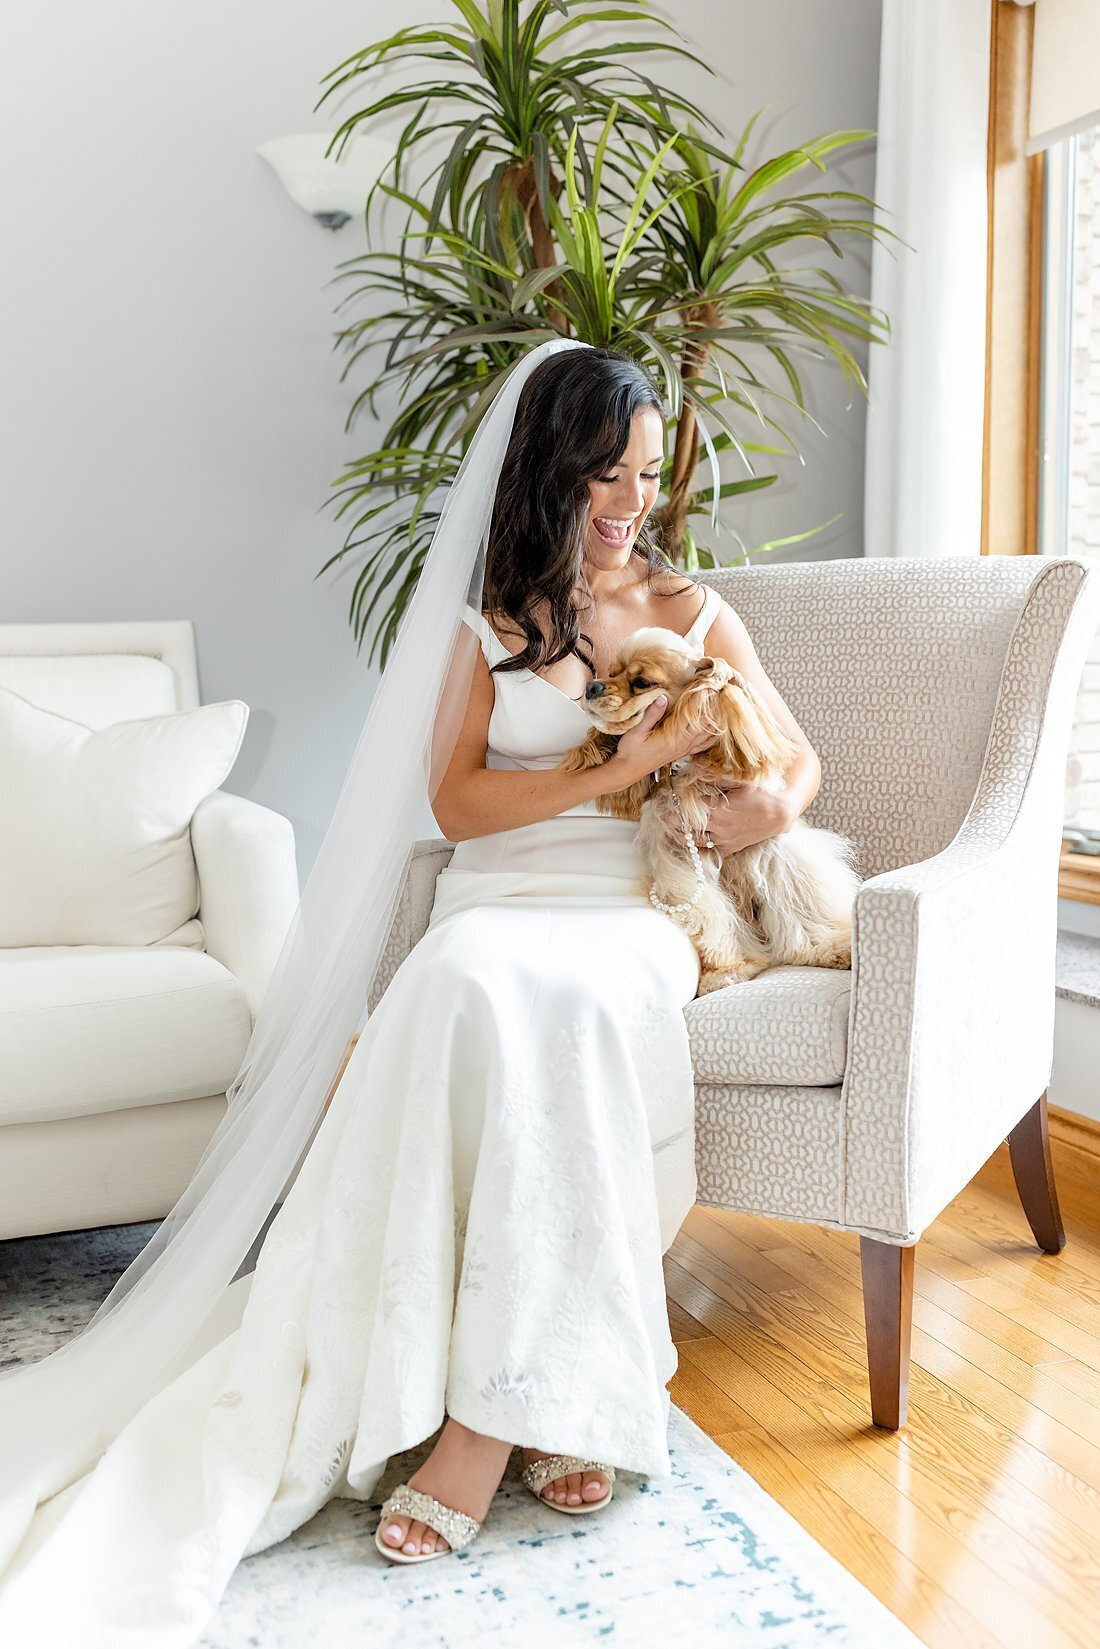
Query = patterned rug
x=704 y=1558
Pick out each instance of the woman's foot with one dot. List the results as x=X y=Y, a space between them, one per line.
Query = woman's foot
x=571 y=1490
x=464 y=1471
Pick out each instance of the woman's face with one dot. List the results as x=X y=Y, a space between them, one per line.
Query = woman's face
x=619 y=501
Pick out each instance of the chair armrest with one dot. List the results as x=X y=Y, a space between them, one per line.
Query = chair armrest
x=248 y=886
x=951 y=1024
x=414 y=906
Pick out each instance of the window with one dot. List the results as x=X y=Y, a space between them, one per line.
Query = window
x=1069 y=487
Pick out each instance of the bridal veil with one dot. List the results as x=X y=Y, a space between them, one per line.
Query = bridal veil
x=58 y=1415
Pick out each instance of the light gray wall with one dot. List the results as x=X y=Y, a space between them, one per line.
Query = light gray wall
x=172 y=408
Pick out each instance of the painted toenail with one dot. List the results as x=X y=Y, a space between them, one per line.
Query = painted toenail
x=393 y=1532
x=409 y=1546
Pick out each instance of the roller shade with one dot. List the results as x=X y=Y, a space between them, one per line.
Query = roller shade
x=1065 y=71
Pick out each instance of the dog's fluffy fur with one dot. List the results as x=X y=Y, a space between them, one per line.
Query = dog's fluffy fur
x=784 y=901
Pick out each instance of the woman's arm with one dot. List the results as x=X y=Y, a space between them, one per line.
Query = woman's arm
x=748 y=814
x=475 y=800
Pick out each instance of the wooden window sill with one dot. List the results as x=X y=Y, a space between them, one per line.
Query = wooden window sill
x=1079 y=876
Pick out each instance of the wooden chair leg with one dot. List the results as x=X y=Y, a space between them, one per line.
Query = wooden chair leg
x=1033 y=1170
x=888 y=1313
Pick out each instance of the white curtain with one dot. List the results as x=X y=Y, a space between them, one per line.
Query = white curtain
x=926 y=402
x=1065 y=71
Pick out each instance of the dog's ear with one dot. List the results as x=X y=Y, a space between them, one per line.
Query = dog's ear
x=627 y=804
x=749 y=731
x=595 y=750
x=712 y=672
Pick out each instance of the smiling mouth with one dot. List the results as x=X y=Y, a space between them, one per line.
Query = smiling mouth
x=613 y=532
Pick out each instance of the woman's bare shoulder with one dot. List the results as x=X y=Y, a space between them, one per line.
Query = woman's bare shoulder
x=507 y=628
x=680 y=597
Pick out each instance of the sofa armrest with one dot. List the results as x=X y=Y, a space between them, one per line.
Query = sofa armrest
x=414 y=906
x=951 y=1024
x=248 y=886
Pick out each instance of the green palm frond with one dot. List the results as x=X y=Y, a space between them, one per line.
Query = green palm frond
x=574 y=195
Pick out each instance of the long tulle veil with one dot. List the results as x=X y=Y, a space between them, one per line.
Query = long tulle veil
x=58 y=1415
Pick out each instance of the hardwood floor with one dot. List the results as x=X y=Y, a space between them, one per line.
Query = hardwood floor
x=978 y=1524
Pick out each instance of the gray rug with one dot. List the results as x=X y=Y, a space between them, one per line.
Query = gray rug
x=707 y=1557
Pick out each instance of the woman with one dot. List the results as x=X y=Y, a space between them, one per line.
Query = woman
x=473 y=1233
x=570 y=572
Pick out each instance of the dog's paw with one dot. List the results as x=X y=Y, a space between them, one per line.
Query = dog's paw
x=718 y=979
x=714 y=982
x=835 y=954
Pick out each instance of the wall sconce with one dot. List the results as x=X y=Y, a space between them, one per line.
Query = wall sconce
x=331 y=190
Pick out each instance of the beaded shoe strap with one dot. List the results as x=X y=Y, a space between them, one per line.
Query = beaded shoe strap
x=457 y=1528
x=540 y=1472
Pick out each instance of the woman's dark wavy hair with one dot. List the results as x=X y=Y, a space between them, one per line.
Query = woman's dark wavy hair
x=572 y=424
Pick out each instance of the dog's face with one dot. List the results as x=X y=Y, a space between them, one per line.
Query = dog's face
x=651 y=661
x=704 y=695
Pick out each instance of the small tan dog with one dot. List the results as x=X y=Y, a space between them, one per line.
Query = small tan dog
x=784 y=901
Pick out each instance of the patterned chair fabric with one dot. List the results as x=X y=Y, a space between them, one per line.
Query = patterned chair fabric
x=939 y=696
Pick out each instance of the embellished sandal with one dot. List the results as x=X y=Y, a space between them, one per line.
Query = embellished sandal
x=457 y=1528
x=540 y=1472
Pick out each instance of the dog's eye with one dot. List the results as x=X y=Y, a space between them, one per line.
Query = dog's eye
x=640 y=681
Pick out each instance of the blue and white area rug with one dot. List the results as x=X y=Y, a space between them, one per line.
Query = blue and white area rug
x=704 y=1558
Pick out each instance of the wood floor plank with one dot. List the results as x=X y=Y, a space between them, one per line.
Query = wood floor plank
x=1018 y=1537
x=937 y=1276
x=684 y=1327
x=1055 y=1361
x=1074 y=1175
x=970 y=1590
x=995 y=1192
x=1037 y=1277
x=810 y=1425
x=841 y=1249
x=849 y=1535
x=711 y=1407
x=1068 y=1397
x=1066 y=1494
x=979 y=1523
x=978 y=1448
x=985 y=1219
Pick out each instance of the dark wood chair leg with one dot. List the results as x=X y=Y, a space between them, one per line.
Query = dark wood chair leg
x=1033 y=1170
x=888 y=1314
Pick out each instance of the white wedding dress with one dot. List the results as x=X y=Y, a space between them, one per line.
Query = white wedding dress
x=480 y=1238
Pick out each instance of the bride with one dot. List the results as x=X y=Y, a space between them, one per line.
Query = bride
x=465 y=1232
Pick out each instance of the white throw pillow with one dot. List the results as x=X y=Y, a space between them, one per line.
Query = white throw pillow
x=95 y=825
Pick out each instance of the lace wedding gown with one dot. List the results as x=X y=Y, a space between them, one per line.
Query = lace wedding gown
x=482 y=1237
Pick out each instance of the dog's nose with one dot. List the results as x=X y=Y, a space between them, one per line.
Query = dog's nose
x=595 y=689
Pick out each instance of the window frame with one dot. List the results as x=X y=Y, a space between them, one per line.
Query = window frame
x=1078 y=873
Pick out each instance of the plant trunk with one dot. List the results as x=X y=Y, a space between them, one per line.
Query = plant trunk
x=519 y=179
x=672 y=516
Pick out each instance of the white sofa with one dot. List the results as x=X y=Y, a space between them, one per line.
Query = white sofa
x=939 y=695
x=114 y=1060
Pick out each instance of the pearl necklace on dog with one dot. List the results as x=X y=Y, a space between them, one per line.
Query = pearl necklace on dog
x=697 y=865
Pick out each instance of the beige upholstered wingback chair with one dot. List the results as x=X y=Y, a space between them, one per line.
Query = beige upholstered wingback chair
x=939 y=696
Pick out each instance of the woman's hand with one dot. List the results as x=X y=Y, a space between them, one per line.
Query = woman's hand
x=646 y=747
x=744 y=815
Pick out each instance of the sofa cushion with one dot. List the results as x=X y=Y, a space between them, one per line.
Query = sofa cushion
x=786 y=1027
x=89 y=1028
x=95 y=843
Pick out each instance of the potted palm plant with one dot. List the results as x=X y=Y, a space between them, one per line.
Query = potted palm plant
x=576 y=196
